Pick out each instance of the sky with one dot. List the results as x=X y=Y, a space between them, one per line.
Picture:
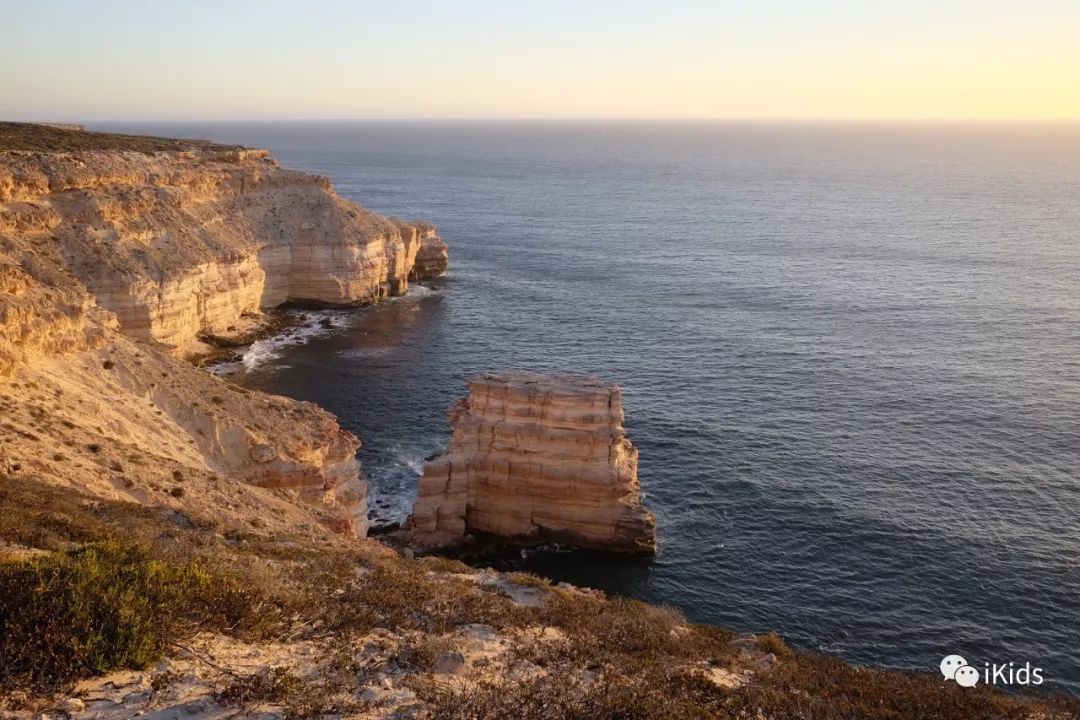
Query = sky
x=96 y=60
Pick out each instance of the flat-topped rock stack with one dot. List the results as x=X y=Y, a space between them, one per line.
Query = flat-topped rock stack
x=536 y=458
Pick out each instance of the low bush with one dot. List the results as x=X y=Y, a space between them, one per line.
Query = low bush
x=400 y=594
x=437 y=563
x=812 y=687
x=773 y=643
x=661 y=694
x=623 y=632
x=45 y=138
x=808 y=687
x=270 y=685
x=108 y=606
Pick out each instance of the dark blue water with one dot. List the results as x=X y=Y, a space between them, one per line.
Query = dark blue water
x=850 y=357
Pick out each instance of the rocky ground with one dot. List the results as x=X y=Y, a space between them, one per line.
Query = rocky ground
x=111 y=609
x=175 y=546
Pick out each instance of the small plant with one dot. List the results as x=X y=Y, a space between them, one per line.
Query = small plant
x=773 y=643
x=106 y=606
x=108 y=364
x=438 y=563
x=529 y=580
x=270 y=685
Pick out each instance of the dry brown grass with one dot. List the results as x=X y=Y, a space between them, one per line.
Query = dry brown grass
x=626 y=634
x=660 y=694
x=394 y=593
x=809 y=688
x=812 y=687
x=122 y=581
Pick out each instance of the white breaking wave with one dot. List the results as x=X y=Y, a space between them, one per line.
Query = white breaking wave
x=315 y=324
x=393 y=486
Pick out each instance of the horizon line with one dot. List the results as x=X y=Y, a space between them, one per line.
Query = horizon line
x=694 y=119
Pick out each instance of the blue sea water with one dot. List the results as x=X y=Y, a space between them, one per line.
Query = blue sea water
x=850 y=356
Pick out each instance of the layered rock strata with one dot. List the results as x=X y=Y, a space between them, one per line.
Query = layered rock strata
x=183 y=243
x=536 y=457
x=118 y=252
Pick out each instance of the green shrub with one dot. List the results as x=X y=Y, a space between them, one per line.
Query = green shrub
x=103 y=607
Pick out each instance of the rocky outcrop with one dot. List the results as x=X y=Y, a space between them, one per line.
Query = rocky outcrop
x=38 y=321
x=536 y=457
x=183 y=243
x=432 y=257
x=129 y=421
x=116 y=251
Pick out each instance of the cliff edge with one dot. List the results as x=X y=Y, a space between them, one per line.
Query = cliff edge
x=182 y=242
x=117 y=254
x=172 y=545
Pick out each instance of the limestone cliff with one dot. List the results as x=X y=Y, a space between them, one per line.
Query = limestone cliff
x=118 y=252
x=536 y=457
x=184 y=242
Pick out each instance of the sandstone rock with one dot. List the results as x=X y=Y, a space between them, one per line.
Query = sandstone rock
x=449 y=663
x=478 y=631
x=536 y=457
x=263 y=453
x=71 y=705
x=432 y=257
x=181 y=244
x=165 y=247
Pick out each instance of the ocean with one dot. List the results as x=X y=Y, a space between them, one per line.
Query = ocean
x=848 y=352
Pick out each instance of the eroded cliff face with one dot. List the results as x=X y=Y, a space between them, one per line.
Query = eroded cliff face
x=179 y=244
x=129 y=421
x=38 y=321
x=536 y=457
x=113 y=262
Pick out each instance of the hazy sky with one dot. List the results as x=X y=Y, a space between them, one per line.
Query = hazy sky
x=242 y=59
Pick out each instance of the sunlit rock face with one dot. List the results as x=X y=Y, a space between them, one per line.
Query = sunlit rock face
x=536 y=457
x=179 y=244
x=113 y=260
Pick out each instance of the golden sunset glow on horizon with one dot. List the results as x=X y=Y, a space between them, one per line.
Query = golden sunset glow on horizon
x=827 y=59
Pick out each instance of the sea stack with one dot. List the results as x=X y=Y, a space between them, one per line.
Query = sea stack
x=536 y=458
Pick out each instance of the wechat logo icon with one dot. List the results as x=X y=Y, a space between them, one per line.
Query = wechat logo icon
x=954 y=667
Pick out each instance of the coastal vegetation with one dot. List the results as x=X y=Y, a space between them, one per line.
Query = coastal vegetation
x=31 y=137
x=171 y=543
x=90 y=586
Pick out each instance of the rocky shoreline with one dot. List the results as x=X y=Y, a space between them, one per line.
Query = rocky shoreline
x=120 y=255
x=172 y=544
